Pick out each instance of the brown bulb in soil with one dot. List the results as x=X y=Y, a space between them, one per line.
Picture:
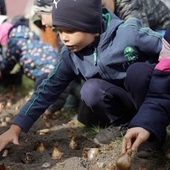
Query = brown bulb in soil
x=47 y=123
x=73 y=143
x=41 y=147
x=28 y=158
x=56 y=154
x=5 y=153
x=124 y=162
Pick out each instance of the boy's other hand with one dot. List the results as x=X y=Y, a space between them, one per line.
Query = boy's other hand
x=133 y=138
x=10 y=136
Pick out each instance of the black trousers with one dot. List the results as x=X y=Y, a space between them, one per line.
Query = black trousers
x=107 y=103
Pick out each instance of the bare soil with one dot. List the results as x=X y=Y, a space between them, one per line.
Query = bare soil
x=36 y=147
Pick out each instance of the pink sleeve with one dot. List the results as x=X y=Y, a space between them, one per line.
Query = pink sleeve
x=163 y=65
x=164 y=57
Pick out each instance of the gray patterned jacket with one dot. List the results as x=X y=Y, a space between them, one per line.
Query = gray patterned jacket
x=153 y=13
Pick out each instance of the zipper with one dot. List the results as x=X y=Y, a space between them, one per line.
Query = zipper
x=95 y=57
x=104 y=71
x=97 y=61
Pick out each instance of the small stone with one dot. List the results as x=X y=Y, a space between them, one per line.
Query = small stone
x=46 y=165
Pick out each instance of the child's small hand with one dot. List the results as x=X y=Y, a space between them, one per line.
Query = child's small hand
x=133 y=138
x=10 y=135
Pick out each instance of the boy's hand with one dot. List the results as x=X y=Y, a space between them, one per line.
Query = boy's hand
x=133 y=138
x=11 y=135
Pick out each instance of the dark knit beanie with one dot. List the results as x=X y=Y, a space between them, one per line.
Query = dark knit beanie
x=83 y=15
x=167 y=34
x=44 y=6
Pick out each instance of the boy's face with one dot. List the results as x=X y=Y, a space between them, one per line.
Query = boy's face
x=75 y=40
x=46 y=18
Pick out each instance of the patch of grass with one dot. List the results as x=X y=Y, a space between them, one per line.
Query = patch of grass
x=96 y=129
x=3 y=90
x=69 y=112
x=90 y=132
x=26 y=86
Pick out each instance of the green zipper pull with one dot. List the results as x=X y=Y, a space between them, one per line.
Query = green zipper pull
x=95 y=57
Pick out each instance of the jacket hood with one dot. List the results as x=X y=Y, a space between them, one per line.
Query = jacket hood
x=109 y=18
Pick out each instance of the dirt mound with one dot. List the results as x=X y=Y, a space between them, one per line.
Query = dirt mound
x=74 y=147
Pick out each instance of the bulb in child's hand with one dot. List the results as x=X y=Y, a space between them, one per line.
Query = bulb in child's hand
x=124 y=162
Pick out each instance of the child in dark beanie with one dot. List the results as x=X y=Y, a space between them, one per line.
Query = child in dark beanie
x=116 y=59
